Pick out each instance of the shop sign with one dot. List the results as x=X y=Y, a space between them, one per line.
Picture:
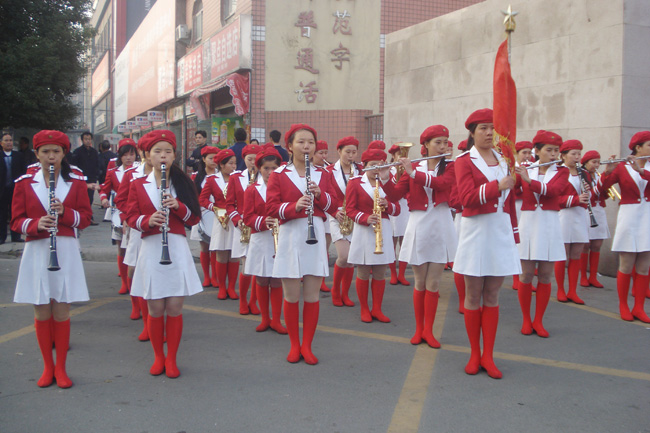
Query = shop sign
x=155 y=116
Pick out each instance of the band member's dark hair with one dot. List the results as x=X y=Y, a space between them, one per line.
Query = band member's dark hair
x=470 y=139
x=185 y=189
x=270 y=158
x=123 y=151
x=200 y=175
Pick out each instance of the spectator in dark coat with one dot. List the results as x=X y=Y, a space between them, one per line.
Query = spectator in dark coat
x=12 y=167
x=86 y=158
x=275 y=138
x=106 y=154
x=240 y=142
x=200 y=138
x=28 y=154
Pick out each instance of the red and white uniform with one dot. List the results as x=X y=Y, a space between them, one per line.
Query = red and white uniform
x=339 y=186
x=399 y=222
x=598 y=205
x=133 y=238
x=261 y=249
x=152 y=280
x=538 y=226
x=237 y=184
x=36 y=285
x=360 y=197
x=212 y=197
x=486 y=245
x=296 y=258
x=430 y=235
x=632 y=228
x=574 y=218
x=203 y=230
x=109 y=188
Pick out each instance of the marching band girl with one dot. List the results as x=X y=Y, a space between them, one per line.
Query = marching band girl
x=261 y=249
x=342 y=171
x=591 y=254
x=540 y=247
x=293 y=199
x=361 y=198
x=574 y=221
x=202 y=231
x=398 y=223
x=223 y=230
x=35 y=212
x=164 y=286
x=237 y=184
x=486 y=248
x=430 y=239
x=632 y=236
x=320 y=160
x=454 y=203
x=524 y=156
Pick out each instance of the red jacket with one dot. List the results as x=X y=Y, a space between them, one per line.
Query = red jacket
x=630 y=193
x=112 y=182
x=282 y=194
x=337 y=181
x=140 y=209
x=237 y=183
x=549 y=192
x=211 y=190
x=359 y=204
x=122 y=196
x=442 y=187
x=255 y=210
x=27 y=208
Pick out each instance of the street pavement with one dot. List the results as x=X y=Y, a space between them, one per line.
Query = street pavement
x=591 y=375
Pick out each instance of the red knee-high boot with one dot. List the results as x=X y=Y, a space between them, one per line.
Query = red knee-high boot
x=459 y=281
x=323 y=286
x=222 y=273
x=418 y=310
x=362 y=294
x=623 y=287
x=174 y=330
x=291 y=314
x=62 y=343
x=252 y=304
x=204 y=258
x=393 y=273
x=135 y=303
x=233 y=270
x=489 y=323
x=244 y=284
x=594 y=260
x=400 y=277
x=525 y=294
x=263 y=298
x=276 y=310
x=541 y=302
x=44 y=338
x=430 y=309
x=584 y=262
x=346 y=282
x=378 y=287
x=156 y=330
x=310 y=312
x=574 y=271
x=214 y=279
x=473 y=328
x=144 y=335
x=336 y=286
x=515 y=282
x=124 y=289
x=559 y=279
x=641 y=285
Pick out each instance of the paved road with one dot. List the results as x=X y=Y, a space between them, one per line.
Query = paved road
x=592 y=375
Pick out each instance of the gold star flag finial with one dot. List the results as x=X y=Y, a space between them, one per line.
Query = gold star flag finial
x=509 y=20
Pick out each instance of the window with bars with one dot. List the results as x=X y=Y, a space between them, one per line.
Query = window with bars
x=228 y=8
x=197 y=22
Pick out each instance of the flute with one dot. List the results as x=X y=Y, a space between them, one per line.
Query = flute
x=164 y=258
x=396 y=163
x=54 y=259
x=311 y=233
x=557 y=161
x=615 y=160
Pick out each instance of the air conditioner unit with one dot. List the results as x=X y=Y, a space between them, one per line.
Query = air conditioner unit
x=183 y=34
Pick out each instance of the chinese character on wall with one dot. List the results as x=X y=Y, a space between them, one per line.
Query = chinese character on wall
x=306 y=21
x=342 y=23
x=308 y=92
x=305 y=59
x=341 y=54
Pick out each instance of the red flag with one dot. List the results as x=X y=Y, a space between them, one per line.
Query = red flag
x=505 y=107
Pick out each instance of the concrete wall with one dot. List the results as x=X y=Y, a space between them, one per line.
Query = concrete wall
x=581 y=69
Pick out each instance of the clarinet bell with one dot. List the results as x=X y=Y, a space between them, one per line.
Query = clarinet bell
x=164 y=258
x=311 y=235
x=54 y=262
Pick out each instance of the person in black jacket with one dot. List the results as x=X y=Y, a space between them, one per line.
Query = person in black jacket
x=240 y=142
x=12 y=167
x=275 y=137
x=106 y=154
x=28 y=154
x=86 y=158
x=200 y=138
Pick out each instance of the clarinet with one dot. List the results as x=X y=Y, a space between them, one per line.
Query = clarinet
x=585 y=188
x=54 y=259
x=311 y=233
x=164 y=258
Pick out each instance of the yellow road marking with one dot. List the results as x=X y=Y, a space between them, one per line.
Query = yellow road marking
x=600 y=312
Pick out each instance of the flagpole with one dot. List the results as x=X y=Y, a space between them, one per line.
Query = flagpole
x=509 y=22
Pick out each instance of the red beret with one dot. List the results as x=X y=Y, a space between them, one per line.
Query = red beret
x=267 y=145
x=251 y=149
x=462 y=145
x=521 y=145
x=268 y=151
x=321 y=145
x=484 y=115
x=588 y=156
x=377 y=144
x=224 y=154
x=393 y=149
x=433 y=132
x=298 y=127
x=373 y=155
x=450 y=144
x=206 y=150
x=47 y=136
x=570 y=145
x=637 y=139
x=347 y=141
x=126 y=142
x=547 y=137
x=156 y=136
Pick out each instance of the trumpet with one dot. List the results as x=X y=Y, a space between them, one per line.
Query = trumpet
x=612 y=193
x=377 y=210
x=164 y=257
x=393 y=164
x=54 y=258
x=403 y=152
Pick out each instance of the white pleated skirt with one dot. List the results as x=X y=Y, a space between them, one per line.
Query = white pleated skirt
x=36 y=285
x=602 y=231
x=430 y=236
x=204 y=226
x=575 y=225
x=362 y=247
x=238 y=250
x=632 y=233
x=133 y=247
x=259 y=261
x=335 y=230
x=400 y=221
x=457 y=219
x=124 y=242
x=540 y=237
x=220 y=239
x=152 y=280
x=487 y=246
x=295 y=258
